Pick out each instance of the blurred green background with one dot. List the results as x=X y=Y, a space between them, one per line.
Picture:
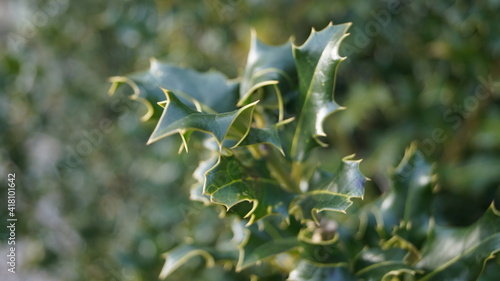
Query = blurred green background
x=96 y=203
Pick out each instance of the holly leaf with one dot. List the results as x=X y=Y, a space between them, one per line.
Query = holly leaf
x=259 y=244
x=317 y=61
x=269 y=67
x=230 y=182
x=309 y=271
x=180 y=255
x=335 y=195
x=308 y=205
x=268 y=135
x=177 y=118
x=405 y=211
x=196 y=191
x=387 y=271
x=347 y=180
x=378 y=264
x=320 y=245
x=209 y=91
x=461 y=253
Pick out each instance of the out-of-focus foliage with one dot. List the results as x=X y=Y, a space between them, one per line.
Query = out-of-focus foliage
x=89 y=205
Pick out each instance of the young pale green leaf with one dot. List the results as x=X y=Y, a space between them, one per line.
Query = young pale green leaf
x=266 y=66
x=461 y=253
x=211 y=91
x=317 y=61
x=336 y=193
x=180 y=255
x=229 y=182
x=309 y=271
x=177 y=118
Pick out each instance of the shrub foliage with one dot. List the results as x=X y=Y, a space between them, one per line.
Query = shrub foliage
x=259 y=137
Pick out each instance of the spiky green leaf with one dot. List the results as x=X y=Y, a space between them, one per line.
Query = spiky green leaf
x=375 y=264
x=461 y=253
x=317 y=61
x=259 y=244
x=268 y=66
x=180 y=255
x=405 y=209
x=231 y=182
x=178 y=118
x=211 y=91
x=196 y=191
x=335 y=194
x=269 y=135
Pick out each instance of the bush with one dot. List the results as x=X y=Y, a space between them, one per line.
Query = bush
x=264 y=159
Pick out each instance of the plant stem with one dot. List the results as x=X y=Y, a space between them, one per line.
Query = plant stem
x=277 y=169
x=255 y=152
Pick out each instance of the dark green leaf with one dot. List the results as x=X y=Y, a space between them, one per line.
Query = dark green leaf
x=321 y=245
x=405 y=209
x=268 y=135
x=461 y=253
x=211 y=91
x=335 y=194
x=230 y=182
x=196 y=191
x=263 y=242
x=377 y=264
x=267 y=66
x=308 y=205
x=180 y=255
x=387 y=271
x=309 y=271
x=317 y=61
x=177 y=118
x=348 y=179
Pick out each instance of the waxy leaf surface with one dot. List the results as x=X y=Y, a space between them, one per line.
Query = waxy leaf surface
x=317 y=61
x=230 y=182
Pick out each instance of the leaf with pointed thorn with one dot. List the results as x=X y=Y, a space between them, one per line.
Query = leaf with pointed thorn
x=180 y=255
x=387 y=271
x=373 y=264
x=405 y=210
x=461 y=253
x=268 y=66
x=335 y=194
x=183 y=253
x=308 y=205
x=196 y=191
x=263 y=242
x=210 y=91
x=320 y=245
x=177 y=118
x=268 y=135
x=317 y=61
x=229 y=182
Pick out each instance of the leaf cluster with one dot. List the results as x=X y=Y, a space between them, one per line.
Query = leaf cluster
x=259 y=134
